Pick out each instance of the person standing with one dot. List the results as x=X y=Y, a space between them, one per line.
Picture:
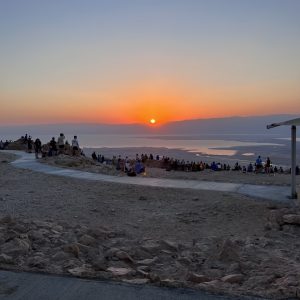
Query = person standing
x=37 y=147
x=268 y=166
x=75 y=145
x=29 y=144
x=53 y=147
x=61 y=143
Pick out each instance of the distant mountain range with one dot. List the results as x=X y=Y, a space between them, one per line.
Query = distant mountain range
x=230 y=125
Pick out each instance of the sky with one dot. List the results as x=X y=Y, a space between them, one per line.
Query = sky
x=128 y=61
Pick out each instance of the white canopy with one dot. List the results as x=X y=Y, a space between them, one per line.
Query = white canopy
x=293 y=122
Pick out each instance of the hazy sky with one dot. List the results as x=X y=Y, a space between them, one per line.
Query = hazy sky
x=127 y=61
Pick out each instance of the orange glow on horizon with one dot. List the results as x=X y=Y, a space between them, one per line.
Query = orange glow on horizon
x=139 y=101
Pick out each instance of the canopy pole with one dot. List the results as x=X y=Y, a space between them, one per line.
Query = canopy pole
x=293 y=168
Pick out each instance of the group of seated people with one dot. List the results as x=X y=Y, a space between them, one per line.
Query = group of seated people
x=138 y=165
x=130 y=167
x=3 y=145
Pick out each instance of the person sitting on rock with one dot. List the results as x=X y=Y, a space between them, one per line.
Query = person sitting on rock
x=139 y=167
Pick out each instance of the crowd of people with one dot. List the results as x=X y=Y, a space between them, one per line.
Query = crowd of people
x=53 y=147
x=138 y=165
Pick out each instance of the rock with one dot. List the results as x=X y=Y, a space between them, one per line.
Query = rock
x=275 y=217
x=57 y=228
x=196 y=278
x=151 y=246
x=234 y=268
x=291 y=219
x=142 y=198
x=8 y=219
x=36 y=235
x=98 y=233
x=148 y=261
x=16 y=247
x=154 y=277
x=122 y=255
x=80 y=271
x=73 y=249
x=120 y=271
x=228 y=251
x=136 y=281
x=287 y=281
x=37 y=261
x=110 y=253
x=87 y=240
x=100 y=264
x=233 y=278
x=20 y=228
x=6 y=259
x=42 y=224
x=184 y=261
x=60 y=255
x=169 y=245
x=143 y=270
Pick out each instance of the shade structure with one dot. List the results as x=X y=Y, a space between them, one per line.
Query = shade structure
x=293 y=123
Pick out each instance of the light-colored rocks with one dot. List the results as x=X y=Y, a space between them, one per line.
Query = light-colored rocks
x=148 y=261
x=16 y=247
x=197 y=278
x=6 y=259
x=122 y=255
x=136 y=281
x=151 y=246
x=169 y=245
x=80 y=271
x=120 y=271
x=291 y=219
x=87 y=240
x=233 y=278
x=37 y=262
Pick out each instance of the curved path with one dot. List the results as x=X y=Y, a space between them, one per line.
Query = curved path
x=269 y=192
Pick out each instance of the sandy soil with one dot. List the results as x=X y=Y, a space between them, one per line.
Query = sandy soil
x=210 y=235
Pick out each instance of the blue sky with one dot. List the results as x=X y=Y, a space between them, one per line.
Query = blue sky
x=219 y=52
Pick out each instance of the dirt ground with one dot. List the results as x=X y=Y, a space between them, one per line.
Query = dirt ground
x=260 y=246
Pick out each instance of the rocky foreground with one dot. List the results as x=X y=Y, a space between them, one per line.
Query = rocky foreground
x=267 y=266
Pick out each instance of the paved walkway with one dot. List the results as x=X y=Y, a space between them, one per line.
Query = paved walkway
x=269 y=192
x=30 y=286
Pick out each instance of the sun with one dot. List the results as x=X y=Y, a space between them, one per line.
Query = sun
x=152 y=121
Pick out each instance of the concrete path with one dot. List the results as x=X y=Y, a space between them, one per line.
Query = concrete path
x=30 y=286
x=275 y=193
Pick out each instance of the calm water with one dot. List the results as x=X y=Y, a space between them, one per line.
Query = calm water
x=193 y=144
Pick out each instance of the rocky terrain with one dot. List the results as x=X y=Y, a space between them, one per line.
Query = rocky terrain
x=218 y=242
x=267 y=266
